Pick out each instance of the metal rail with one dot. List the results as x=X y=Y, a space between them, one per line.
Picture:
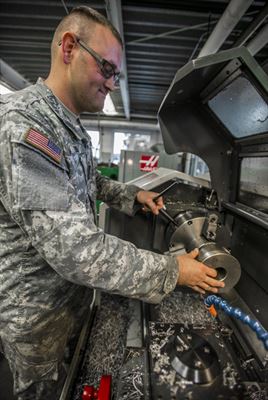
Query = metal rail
x=79 y=351
x=250 y=214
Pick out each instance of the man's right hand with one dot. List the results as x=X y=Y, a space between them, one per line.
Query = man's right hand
x=196 y=275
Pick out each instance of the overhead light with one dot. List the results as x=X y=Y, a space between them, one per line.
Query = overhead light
x=109 y=108
x=4 y=89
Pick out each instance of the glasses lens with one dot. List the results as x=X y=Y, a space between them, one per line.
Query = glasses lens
x=107 y=69
x=116 y=79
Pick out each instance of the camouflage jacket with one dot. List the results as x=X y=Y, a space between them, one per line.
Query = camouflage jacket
x=49 y=241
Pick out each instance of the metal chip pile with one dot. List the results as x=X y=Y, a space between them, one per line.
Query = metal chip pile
x=106 y=346
x=184 y=308
x=131 y=380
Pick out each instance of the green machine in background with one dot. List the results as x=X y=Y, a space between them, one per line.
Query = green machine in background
x=110 y=170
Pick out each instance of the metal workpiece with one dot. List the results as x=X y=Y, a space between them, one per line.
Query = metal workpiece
x=192 y=232
x=227 y=267
x=188 y=234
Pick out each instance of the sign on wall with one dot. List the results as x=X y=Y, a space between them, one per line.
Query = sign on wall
x=148 y=162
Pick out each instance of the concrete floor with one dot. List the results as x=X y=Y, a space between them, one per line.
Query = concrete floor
x=6 y=381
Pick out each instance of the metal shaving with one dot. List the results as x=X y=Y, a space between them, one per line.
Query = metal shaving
x=175 y=206
x=229 y=376
x=184 y=308
x=131 y=380
x=256 y=393
x=106 y=346
x=160 y=336
x=107 y=352
x=161 y=360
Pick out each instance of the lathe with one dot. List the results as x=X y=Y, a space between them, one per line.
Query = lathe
x=216 y=108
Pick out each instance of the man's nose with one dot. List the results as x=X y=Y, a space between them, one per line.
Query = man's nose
x=109 y=83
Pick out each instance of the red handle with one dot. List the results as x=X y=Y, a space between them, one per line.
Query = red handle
x=101 y=393
x=105 y=387
x=88 y=393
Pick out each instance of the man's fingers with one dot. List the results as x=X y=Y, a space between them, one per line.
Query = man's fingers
x=198 y=289
x=150 y=205
x=212 y=289
x=196 y=275
x=203 y=288
x=211 y=272
x=159 y=202
x=214 y=282
x=203 y=285
x=194 y=253
x=146 y=198
x=153 y=207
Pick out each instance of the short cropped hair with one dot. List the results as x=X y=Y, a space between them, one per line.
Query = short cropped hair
x=82 y=20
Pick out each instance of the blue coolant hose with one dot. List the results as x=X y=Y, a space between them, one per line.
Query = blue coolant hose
x=221 y=304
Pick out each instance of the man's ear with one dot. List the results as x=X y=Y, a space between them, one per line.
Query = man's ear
x=68 y=43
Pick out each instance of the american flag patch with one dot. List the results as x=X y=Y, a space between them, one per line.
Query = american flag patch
x=44 y=144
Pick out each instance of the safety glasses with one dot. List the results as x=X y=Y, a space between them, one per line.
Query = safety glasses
x=107 y=69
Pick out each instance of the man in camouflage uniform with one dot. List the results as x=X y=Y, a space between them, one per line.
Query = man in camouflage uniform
x=51 y=250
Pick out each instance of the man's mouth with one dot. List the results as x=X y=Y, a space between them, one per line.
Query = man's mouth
x=103 y=92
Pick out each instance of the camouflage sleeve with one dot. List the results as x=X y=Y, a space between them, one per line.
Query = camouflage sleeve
x=115 y=194
x=81 y=253
x=41 y=198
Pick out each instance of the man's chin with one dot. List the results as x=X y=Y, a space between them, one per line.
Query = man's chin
x=95 y=108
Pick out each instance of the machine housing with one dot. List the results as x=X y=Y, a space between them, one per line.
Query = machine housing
x=215 y=108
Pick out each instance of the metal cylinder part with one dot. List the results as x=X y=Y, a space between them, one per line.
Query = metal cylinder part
x=227 y=266
x=189 y=235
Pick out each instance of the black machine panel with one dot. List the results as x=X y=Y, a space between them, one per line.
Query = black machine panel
x=194 y=347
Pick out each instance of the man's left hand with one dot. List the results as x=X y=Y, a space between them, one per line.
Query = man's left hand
x=147 y=200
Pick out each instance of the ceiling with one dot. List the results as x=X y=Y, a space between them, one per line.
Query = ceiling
x=159 y=36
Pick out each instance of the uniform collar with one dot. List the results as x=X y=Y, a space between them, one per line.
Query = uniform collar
x=67 y=116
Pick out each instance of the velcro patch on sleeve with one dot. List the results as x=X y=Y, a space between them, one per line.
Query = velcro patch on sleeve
x=44 y=144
